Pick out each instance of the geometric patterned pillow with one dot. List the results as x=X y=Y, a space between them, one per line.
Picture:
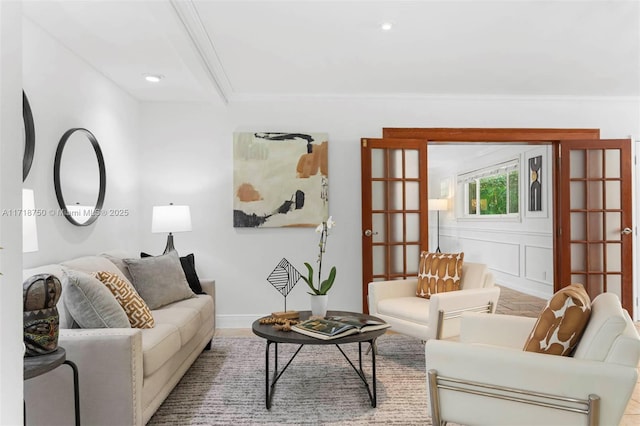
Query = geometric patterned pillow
x=439 y=273
x=136 y=309
x=561 y=322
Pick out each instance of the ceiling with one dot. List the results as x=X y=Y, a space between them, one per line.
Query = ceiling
x=226 y=51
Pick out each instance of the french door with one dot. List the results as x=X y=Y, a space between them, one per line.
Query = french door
x=594 y=217
x=394 y=209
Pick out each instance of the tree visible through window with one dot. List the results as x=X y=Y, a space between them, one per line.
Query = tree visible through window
x=493 y=190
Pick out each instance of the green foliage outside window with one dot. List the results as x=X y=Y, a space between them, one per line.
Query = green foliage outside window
x=494 y=191
x=514 y=195
x=498 y=195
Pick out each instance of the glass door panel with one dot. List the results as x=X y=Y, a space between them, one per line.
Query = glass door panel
x=394 y=208
x=595 y=208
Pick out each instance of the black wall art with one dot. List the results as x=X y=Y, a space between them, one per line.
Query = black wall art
x=535 y=184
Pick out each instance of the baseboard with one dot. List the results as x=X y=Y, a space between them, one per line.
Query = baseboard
x=236 y=321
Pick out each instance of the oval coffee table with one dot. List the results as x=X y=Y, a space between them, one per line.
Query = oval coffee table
x=274 y=337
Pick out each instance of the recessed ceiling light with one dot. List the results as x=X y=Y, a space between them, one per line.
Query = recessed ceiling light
x=386 y=26
x=153 y=78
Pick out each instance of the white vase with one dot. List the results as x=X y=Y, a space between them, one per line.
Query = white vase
x=319 y=305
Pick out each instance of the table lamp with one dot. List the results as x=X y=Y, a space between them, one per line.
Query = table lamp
x=438 y=204
x=170 y=219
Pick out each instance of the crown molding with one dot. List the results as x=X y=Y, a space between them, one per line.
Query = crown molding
x=190 y=18
x=271 y=97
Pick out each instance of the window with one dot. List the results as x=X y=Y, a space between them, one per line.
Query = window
x=492 y=191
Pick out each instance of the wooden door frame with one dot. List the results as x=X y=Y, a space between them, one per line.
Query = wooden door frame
x=529 y=136
x=627 y=289
x=366 y=144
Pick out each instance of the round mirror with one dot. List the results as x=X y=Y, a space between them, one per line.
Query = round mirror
x=79 y=176
x=29 y=137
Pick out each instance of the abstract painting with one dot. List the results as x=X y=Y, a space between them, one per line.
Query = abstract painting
x=280 y=179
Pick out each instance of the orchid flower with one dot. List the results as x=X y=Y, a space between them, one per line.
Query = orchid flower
x=323 y=286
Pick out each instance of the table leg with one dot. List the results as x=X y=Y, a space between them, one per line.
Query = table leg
x=268 y=400
x=374 y=401
x=360 y=372
x=270 y=384
x=76 y=390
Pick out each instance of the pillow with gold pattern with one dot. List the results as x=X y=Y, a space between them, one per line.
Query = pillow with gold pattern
x=561 y=322
x=439 y=273
x=136 y=309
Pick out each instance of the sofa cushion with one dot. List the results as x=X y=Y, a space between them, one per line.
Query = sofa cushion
x=561 y=323
x=439 y=273
x=201 y=303
x=159 y=280
x=186 y=320
x=474 y=275
x=90 y=303
x=134 y=306
x=607 y=322
x=159 y=344
x=414 y=309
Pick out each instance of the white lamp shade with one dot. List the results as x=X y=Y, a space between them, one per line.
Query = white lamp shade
x=171 y=219
x=29 y=227
x=439 y=204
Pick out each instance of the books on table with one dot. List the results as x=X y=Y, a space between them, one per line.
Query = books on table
x=337 y=326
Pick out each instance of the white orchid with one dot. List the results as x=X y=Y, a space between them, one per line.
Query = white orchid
x=330 y=223
x=323 y=286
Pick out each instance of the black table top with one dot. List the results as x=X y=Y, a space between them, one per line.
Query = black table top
x=268 y=332
x=40 y=364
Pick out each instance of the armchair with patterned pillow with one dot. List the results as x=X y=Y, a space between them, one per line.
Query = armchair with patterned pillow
x=575 y=365
x=430 y=305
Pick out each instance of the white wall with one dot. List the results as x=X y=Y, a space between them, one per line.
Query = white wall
x=519 y=250
x=10 y=226
x=187 y=158
x=65 y=92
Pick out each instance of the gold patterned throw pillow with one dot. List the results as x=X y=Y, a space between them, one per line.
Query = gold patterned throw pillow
x=136 y=309
x=439 y=273
x=561 y=322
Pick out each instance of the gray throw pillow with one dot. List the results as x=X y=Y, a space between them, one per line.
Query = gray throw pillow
x=160 y=280
x=119 y=262
x=90 y=302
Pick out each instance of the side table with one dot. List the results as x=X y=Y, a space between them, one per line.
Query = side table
x=35 y=366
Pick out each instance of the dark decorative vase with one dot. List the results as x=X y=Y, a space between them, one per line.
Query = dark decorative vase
x=40 y=294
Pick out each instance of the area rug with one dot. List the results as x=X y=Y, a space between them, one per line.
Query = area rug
x=226 y=386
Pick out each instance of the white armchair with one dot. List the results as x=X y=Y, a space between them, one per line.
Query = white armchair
x=487 y=378
x=438 y=317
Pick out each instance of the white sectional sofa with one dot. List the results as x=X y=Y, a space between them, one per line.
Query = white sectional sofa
x=124 y=373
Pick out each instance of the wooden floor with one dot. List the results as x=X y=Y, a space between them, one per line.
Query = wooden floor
x=513 y=303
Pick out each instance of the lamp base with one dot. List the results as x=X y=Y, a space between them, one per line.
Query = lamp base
x=169 y=246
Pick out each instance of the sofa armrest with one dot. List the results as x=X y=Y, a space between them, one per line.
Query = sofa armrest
x=109 y=363
x=380 y=290
x=449 y=302
x=528 y=371
x=209 y=287
x=500 y=330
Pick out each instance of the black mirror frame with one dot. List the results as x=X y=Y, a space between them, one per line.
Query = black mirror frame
x=102 y=171
x=29 y=137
